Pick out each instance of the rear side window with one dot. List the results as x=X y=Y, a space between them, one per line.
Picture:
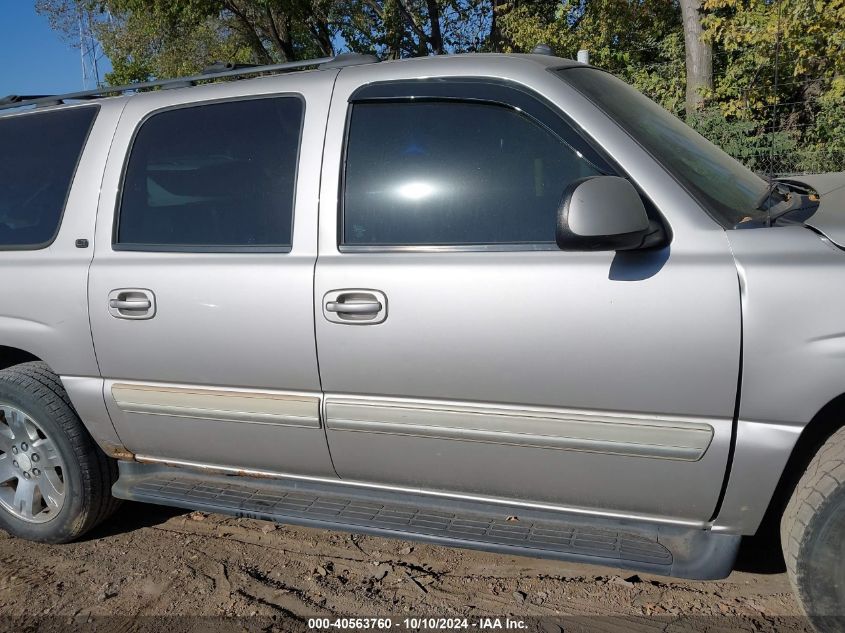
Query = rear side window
x=219 y=176
x=453 y=173
x=38 y=157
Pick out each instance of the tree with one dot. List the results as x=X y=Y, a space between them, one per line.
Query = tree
x=639 y=40
x=765 y=79
x=411 y=28
x=699 y=56
x=782 y=67
x=161 y=38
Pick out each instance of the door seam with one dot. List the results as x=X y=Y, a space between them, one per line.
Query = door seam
x=314 y=311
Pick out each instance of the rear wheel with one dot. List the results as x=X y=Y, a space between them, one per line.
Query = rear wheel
x=813 y=536
x=55 y=482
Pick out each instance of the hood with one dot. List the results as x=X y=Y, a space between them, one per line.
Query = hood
x=829 y=218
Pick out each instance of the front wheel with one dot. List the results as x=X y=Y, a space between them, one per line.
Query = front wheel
x=813 y=537
x=55 y=482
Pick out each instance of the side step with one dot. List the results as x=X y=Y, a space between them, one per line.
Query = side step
x=657 y=549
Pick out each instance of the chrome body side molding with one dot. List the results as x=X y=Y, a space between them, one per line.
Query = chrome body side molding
x=250 y=407
x=560 y=429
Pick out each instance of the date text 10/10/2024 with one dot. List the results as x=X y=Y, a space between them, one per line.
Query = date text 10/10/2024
x=418 y=624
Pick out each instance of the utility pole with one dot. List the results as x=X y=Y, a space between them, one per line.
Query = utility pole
x=89 y=51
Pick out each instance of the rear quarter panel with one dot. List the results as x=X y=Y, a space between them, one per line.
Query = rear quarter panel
x=45 y=292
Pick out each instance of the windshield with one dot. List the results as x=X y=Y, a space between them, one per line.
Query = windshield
x=726 y=188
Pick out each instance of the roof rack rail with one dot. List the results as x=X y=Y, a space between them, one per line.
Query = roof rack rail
x=218 y=70
x=219 y=67
x=16 y=99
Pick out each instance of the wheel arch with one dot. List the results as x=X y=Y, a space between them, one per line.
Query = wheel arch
x=829 y=419
x=10 y=356
x=61 y=443
x=86 y=396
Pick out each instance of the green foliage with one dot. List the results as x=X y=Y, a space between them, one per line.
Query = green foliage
x=164 y=38
x=404 y=28
x=642 y=42
x=778 y=65
x=742 y=139
x=152 y=43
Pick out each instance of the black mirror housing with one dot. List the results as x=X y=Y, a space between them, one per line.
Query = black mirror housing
x=604 y=213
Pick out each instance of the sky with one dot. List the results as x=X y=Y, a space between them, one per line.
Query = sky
x=33 y=57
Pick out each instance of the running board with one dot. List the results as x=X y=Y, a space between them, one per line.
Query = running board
x=667 y=550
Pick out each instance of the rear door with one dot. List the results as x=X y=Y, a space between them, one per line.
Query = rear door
x=461 y=351
x=200 y=289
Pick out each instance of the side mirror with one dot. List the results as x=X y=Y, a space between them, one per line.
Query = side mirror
x=604 y=213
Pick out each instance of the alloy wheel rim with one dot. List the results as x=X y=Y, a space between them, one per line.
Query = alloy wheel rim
x=32 y=473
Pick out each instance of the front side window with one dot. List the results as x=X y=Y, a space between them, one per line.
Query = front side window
x=453 y=173
x=38 y=157
x=218 y=175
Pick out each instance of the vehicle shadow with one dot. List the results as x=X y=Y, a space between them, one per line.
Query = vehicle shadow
x=638 y=265
x=131 y=516
x=760 y=554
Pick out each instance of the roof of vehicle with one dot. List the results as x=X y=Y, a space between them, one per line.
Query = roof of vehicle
x=230 y=71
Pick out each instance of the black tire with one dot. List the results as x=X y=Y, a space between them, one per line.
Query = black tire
x=88 y=474
x=813 y=536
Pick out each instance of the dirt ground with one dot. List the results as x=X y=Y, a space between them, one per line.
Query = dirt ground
x=152 y=561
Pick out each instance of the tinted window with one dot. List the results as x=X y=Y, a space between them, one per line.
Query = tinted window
x=451 y=173
x=38 y=157
x=216 y=175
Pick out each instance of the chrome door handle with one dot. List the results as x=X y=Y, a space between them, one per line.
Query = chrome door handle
x=355 y=306
x=140 y=304
x=358 y=307
x=132 y=303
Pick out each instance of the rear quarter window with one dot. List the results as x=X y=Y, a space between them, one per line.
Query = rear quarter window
x=39 y=153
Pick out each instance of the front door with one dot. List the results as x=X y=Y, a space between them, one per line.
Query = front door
x=200 y=293
x=460 y=351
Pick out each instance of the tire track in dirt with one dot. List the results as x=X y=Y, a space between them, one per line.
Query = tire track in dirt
x=160 y=562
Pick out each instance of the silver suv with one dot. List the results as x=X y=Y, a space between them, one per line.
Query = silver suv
x=502 y=302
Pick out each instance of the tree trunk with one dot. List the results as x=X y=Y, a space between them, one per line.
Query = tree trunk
x=322 y=35
x=495 y=32
x=279 y=34
x=435 y=39
x=422 y=37
x=250 y=32
x=282 y=27
x=699 y=56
